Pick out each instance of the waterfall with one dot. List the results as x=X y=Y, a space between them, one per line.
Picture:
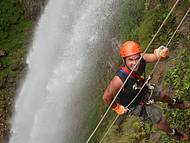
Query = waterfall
x=70 y=41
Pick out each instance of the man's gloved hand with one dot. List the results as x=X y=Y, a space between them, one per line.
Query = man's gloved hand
x=119 y=109
x=162 y=52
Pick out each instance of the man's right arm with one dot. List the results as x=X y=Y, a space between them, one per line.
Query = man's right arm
x=110 y=92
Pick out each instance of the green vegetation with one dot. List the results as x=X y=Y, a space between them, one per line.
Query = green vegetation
x=14 y=35
x=15 y=31
x=129 y=18
x=132 y=130
x=135 y=21
x=152 y=21
x=178 y=79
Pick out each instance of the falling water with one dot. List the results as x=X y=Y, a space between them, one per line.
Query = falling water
x=68 y=44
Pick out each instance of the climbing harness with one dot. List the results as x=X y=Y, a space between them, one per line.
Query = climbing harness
x=149 y=99
x=130 y=75
x=149 y=87
x=150 y=76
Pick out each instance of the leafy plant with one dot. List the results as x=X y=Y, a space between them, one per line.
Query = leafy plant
x=152 y=21
x=178 y=79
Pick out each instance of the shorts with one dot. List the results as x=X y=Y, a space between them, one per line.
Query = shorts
x=150 y=113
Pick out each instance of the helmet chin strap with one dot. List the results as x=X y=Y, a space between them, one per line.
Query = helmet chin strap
x=128 y=67
x=126 y=64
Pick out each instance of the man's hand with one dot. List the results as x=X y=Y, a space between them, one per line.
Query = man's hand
x=119 y=109
x=162 y=52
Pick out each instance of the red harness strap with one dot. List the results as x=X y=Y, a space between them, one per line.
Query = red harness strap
x=133 y=75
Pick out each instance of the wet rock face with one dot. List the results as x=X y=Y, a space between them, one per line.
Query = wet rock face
x=33 y=8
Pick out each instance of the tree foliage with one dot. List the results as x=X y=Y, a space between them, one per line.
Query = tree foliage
x=11 y=14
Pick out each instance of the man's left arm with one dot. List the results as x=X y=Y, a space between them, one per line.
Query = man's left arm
x=162 y=52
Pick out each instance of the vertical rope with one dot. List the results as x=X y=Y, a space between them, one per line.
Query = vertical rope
x=178 y=27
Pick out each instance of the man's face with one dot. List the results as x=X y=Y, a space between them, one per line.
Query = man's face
x=132 y=60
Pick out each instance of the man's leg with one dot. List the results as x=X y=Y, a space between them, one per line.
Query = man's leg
x=156 y=117
x=174 y=103
x=164 y=126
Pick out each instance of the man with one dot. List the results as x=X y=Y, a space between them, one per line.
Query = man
x=144 y=104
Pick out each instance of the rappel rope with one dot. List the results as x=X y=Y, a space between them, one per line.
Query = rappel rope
x=150 y=76
x=172 y=37
x=132 y=71
x=178 y=26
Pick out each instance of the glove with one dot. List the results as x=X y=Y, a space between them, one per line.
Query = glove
x=119 y=109
x=161 y=52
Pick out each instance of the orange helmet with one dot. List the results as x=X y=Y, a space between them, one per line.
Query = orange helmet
x=129 y=48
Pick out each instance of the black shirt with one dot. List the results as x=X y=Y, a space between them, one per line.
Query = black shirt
x=132 y=87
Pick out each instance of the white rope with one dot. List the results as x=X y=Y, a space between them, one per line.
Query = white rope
x=178 y=26
x=131 y=72
x=150 y=74
x=109 y=128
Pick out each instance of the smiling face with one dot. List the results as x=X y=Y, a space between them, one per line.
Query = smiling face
x=131 y=61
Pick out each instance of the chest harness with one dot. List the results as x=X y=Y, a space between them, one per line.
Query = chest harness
x=149 y=88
